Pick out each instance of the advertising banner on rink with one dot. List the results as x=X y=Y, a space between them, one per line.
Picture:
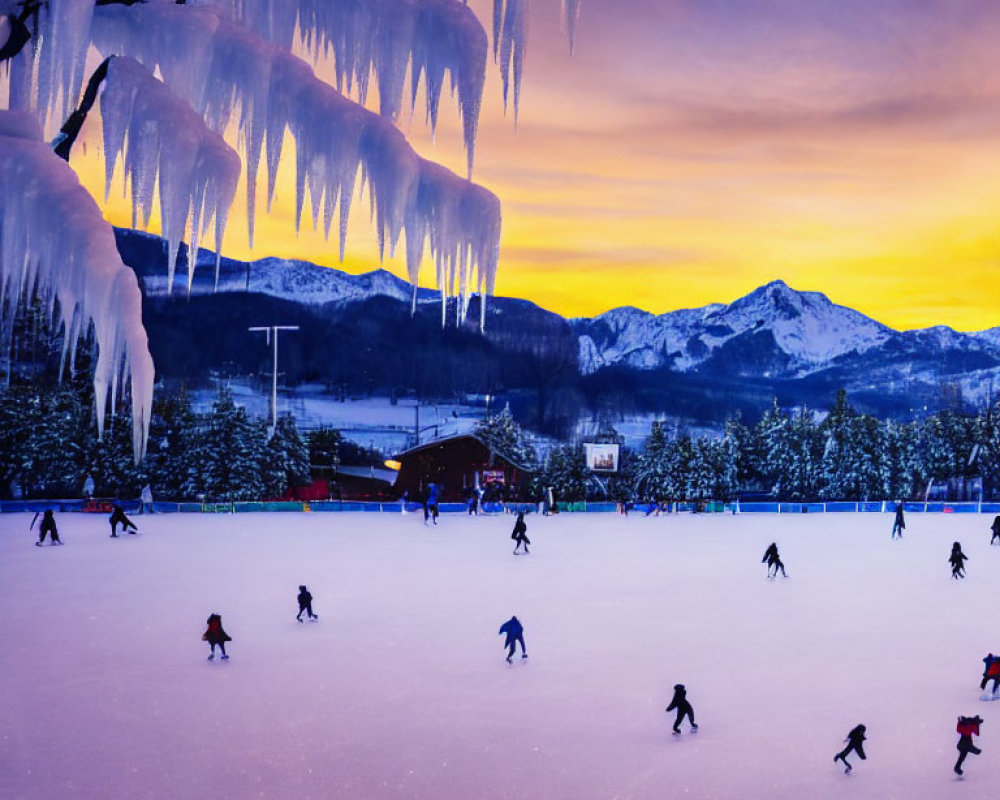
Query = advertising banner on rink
x=601 y=457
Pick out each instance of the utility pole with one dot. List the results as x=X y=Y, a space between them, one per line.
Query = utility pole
x=273 y=330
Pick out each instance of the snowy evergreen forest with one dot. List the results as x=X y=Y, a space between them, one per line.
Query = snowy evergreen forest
x=48 y=446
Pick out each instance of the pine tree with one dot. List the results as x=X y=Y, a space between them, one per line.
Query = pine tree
x=501 y=433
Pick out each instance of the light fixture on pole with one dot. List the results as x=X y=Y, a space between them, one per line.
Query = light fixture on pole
x=272 y=333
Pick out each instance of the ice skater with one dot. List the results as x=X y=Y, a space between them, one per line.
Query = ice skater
x=899 y=524
x=215 y=635
x=680 y=702
x=118 y=515
x=957 y=560
x=48 y=526
x=855 y=741
x=305 y=604
x=991 y=672
x=995 y=527
x=773 y=561
x=967 y=728
x=519 y=534
x=431 y=503
x=514 y=631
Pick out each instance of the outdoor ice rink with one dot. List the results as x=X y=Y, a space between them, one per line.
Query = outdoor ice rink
x=401 y=689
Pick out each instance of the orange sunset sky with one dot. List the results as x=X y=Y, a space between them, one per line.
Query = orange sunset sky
x=692 y=150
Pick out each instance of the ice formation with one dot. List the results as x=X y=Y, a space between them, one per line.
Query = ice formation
x=163 y=142
x=229 y=74
x=510 y=35
x=54 y=241
x=384 y=38
x=47 y=75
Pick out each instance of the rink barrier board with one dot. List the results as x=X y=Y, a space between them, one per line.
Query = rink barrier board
x=394 y=506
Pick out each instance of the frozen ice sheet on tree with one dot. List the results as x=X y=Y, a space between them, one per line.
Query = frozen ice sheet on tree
x=228 y=74
x=54 y=241
x=163 y=142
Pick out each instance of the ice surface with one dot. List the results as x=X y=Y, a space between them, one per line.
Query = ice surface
x=242 y=78
x=54 y=240
x=400 y=689
x=160 y=139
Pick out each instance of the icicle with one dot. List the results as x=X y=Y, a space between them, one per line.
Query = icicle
x=335 y=138
x=383 y=38
x=75 y=261
x=571 y=15
x=47 y=75
x=161 y=140
x=513 y=36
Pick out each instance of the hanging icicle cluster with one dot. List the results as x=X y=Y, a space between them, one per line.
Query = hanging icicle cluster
x=55 y=243
x=230 y=75
x=163 y=143
x=384 y=39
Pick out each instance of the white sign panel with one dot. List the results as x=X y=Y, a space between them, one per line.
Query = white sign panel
x=602 y=457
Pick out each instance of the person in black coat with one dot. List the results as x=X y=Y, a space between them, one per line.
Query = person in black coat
x=995 y=527
x=957 y=560
x=773 y=561
x=514 y=632
x=48 y=526
x=305 y=604
x=899 y=524
x=684 y=709
x=118 y=515
x=519 y=534
x=855 y=741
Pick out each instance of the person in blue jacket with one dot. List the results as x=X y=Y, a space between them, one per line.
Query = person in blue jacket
x=684 y=709
x=514 y=632
x=431 y=503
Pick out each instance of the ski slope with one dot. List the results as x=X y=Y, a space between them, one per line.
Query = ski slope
x=401 y=691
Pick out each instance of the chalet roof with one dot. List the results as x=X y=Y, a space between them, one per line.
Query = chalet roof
x=456 y=438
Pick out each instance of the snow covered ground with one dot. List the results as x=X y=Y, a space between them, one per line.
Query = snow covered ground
x=401 y=690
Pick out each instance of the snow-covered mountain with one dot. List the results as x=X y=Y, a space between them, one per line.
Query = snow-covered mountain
x=301 y=281
x=775 y=341
x=806 y=328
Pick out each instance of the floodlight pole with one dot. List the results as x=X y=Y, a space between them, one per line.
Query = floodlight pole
x=269 y=330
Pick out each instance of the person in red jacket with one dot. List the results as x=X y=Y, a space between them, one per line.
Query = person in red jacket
x=991 y=672
x=215 y=635
x=967 y=728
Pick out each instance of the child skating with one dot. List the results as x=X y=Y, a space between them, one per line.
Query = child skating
x=957 y=560
x=48 y=526
x=215 y=635
x=967 y=728
x=519 y=534
x=305 y=604
x=514 y=632
x=855 y=742
x=683 y=707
